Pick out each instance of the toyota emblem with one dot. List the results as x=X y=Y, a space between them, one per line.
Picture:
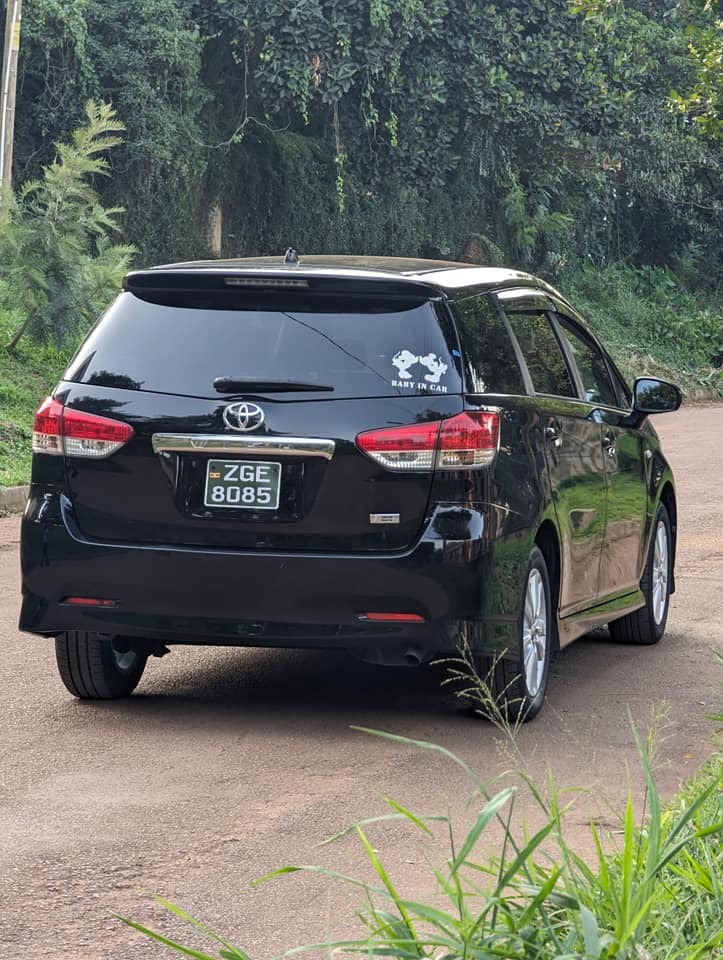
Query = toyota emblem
x=243 y=416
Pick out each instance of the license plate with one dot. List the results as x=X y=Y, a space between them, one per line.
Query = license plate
x=242 y=484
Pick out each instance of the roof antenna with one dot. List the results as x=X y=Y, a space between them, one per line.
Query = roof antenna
x=290 y=258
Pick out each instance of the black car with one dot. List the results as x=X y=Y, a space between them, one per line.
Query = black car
x=394 y=457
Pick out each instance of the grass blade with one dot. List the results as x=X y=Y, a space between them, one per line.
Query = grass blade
x=417 y=821
x=159 y=938
x=381 y=872
x=489 y=811
x=237 y=952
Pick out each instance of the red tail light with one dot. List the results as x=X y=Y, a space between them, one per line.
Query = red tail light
x=393 y=617
x=89 y=602
x=61 y=431
x=468 y=440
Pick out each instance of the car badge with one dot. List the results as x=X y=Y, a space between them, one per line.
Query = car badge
x=243 y=416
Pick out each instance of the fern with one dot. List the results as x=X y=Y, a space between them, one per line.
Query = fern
x=55 y=247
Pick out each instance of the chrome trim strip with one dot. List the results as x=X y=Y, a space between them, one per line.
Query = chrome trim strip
x=225 y=443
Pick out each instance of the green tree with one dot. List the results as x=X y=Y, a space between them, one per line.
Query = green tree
x=55 y=251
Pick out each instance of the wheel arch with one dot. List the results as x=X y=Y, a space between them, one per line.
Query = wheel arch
x=667 y=498
x=547 y=540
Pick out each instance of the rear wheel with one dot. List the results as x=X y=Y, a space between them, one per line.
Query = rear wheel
x=95 y=666
x=647 y=625
x=518 y=684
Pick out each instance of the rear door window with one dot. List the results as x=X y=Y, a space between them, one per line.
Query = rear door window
x=544 y=358
x=360 y=348
x=490 y=364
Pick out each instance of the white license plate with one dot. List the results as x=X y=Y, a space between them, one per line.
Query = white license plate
x=242 y=484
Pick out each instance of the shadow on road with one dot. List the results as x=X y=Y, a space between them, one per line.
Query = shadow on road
x=307 y=689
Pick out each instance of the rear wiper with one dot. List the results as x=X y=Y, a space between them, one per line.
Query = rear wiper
x=241 y=384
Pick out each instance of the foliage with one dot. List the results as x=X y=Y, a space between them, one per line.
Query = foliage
x=704 y=102
x=518 y=132
x=657 y=894
x=55 y=250
x=565 y=141
x=144 y=56
x=703 y=27
x=26 y=376
x=649 y=310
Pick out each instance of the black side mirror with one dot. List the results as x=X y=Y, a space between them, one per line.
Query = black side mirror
x=655 y=396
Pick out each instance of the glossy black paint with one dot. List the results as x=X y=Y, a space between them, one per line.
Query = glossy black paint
x=583 y=480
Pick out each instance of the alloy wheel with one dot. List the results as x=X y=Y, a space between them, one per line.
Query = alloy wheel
x=534 y=632
x=660 y=573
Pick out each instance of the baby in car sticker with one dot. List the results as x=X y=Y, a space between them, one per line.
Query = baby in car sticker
x=404 y=360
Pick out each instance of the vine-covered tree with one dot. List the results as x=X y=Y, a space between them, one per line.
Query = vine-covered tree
x=522 y=132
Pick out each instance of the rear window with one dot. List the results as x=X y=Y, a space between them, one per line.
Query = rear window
x=360 y=348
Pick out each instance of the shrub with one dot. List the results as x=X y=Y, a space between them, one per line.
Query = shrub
x=55 y=251
x=648 y=309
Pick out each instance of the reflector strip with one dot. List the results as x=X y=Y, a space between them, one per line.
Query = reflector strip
x=393 y=617
x=89 y=602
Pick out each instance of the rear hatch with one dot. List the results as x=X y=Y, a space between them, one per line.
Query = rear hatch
x=245 y=399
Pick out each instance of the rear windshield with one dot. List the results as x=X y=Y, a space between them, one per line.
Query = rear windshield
x=359 y=348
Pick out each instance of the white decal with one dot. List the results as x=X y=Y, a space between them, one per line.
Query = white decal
x=435 y=366
x=422 y=387
x=403 y=360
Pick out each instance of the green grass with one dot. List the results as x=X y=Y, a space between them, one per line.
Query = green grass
x=652 y=892
x=25 y=378
x=652 y=324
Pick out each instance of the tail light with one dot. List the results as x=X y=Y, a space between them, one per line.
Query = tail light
x=461 y=443
x=61 y=431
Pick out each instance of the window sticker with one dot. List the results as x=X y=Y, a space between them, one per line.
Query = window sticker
x=404 y=360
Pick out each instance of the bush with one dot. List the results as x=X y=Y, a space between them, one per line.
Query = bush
x=55 y=253
x=649 y=310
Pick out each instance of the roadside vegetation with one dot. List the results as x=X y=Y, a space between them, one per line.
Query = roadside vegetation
x=26 y=376
x=653 y=892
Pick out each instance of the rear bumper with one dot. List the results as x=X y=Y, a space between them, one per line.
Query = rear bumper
x=186 y=595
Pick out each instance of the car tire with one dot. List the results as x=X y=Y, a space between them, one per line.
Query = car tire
x=518 y=684
x=95 y=666
x=647 y=625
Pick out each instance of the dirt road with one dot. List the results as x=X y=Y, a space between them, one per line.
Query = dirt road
x=229 y=763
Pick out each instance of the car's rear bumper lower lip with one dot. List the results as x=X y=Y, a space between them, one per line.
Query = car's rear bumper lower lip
x=192 y=595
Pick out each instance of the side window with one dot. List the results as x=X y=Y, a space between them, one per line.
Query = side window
x=591 y=365
x=542 y=354
x=625 y=394
x=490 y=364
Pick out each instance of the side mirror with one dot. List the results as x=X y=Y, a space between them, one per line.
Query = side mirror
x=655 y=396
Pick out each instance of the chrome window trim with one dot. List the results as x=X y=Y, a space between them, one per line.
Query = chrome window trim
x=224 y=443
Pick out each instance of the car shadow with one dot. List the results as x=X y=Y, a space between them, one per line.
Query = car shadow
x=271 y=688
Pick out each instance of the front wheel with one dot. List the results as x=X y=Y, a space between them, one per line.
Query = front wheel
x=94 y=666
x=518 y=684
x=647 y=625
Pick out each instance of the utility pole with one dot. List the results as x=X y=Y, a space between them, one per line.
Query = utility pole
x=13 y=16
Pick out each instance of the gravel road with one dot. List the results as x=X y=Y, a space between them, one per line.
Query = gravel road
x=229 y=763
